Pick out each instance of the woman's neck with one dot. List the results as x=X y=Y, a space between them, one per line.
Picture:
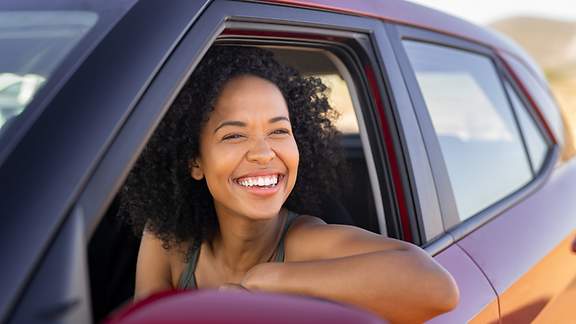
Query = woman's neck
x=241 y=243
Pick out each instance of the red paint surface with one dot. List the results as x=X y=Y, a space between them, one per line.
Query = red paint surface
x=408 y=13
x=207 y=306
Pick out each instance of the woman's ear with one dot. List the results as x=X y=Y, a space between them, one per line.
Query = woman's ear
x=195 y=169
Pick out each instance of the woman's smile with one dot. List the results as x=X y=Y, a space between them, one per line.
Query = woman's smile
x=262 y=184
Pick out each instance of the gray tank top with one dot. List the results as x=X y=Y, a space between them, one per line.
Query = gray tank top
x=188 y=279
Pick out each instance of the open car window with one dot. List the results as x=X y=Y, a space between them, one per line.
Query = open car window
x=357 y=207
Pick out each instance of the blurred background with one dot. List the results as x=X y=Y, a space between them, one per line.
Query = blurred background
x=545 y=29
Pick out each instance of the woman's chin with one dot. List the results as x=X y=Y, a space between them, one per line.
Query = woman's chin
x=263 y=213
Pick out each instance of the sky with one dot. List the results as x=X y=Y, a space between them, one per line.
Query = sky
x=484 y=12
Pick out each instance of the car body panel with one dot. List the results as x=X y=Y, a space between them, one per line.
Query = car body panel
x=525 y=252
x=60 y=290
x=546 y=292
x=478 y=301
x=212 y=306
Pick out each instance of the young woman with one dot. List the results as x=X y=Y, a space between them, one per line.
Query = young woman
x=226 y=190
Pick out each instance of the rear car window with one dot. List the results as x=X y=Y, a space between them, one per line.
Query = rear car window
x=475 y=125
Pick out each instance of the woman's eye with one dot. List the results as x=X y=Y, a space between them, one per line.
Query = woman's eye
x=231 y=137
x=280 y=131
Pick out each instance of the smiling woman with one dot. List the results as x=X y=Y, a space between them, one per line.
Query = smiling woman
x=247 y=151
x=224 y=193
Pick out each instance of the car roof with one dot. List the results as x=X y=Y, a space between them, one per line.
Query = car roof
x=412 y=14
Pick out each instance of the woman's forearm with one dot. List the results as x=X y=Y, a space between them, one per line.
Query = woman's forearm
x=399 y=285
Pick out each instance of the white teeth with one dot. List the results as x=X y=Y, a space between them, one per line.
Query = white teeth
x=259 y=181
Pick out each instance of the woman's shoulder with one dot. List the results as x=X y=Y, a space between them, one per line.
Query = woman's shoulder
x=169 y=257
x=304 y=233
x=307 y=227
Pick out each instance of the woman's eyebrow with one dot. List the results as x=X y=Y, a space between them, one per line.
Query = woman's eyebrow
x=243 y=124
x=277 y=119
x=230 y=123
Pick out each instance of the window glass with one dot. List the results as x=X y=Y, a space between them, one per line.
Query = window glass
x=535 y=142
x=478 y=136
x=32 y=44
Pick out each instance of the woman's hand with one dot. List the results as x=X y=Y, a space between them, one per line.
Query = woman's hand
x=263 y=275
x=232 y=287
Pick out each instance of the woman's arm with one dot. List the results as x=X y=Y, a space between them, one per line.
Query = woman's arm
x=395 y=279
x=153 y=267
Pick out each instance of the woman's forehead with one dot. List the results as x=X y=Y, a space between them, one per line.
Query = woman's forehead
x=249 y=96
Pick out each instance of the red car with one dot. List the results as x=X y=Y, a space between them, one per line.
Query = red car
x=454 y=141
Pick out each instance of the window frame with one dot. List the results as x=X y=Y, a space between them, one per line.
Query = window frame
x=454 y=227
x=290 y=23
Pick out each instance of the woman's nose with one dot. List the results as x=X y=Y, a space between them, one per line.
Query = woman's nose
x=260 y=152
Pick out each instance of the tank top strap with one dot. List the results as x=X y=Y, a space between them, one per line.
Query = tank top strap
x=280 y=254
x=187 y=278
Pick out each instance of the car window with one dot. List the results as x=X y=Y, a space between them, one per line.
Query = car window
x=32 y=44
x=475 y=125
x=535 y=142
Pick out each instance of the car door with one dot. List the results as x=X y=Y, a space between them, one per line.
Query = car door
x=478 y=299
x=492 y=137
x=382 y=107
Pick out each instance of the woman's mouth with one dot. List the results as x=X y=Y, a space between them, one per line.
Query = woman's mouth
x=262 y=184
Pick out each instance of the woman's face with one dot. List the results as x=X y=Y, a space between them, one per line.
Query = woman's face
x=248 y=153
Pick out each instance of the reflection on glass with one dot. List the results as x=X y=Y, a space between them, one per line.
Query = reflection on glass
x=15 y=93
x=32 y=44
x=478 y=136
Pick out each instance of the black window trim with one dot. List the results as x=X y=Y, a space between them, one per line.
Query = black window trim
x=456 y=228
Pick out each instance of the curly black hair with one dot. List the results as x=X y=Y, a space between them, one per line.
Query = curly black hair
x=159 y=193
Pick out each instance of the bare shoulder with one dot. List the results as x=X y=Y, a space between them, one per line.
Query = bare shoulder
x=155 y=266
x=310 y=238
